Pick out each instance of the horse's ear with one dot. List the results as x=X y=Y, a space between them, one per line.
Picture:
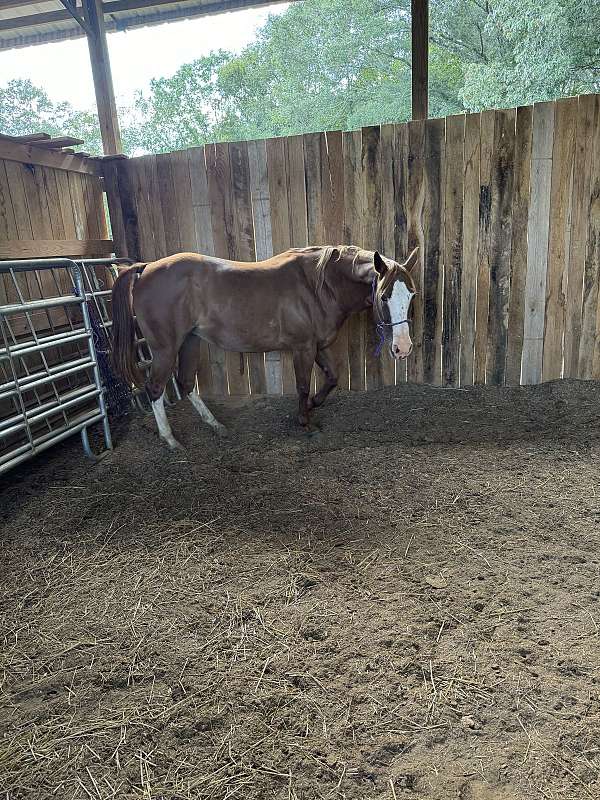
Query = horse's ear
x=379 y=264
x=412 y=261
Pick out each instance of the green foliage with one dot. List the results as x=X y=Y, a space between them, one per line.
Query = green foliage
x=25 y=108
x=343 y=64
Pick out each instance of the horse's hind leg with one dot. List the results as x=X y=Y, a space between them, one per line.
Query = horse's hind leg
x=163 y=362
x=187 y=368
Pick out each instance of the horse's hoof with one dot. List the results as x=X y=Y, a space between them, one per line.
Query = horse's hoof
x=313 y=433
x=221 y=431
x=174 y=444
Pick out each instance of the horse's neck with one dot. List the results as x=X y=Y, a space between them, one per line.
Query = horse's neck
x=350 y=283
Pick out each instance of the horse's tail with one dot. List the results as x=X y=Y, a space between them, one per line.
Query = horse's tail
x=123 y=327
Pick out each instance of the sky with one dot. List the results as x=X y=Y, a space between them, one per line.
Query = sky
x=136 y=56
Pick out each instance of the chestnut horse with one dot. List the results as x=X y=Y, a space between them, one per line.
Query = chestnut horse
x=294 y=301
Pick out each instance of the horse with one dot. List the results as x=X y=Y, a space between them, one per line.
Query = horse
x=296 y=301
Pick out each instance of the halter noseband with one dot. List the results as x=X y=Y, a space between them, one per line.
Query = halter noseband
x=380 y=326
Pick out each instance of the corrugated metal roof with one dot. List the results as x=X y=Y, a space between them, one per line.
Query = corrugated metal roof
x=24 y=23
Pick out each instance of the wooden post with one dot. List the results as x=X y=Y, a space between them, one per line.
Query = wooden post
x=103 y=85
x=420 y=60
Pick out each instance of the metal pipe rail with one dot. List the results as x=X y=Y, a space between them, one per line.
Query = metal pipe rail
x=40 y=405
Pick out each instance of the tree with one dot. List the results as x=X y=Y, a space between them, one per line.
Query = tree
x=517 y=54
x=25 y=108
x=343 y=64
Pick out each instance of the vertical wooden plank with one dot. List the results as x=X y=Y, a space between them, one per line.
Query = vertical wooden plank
x=470 y=222
x=416 y=238
x=296 y=191
x=433 y=224
x=453 y=249
x=584 y=138
x=200 y=201
x=79 y=206
x=500 y=243
x=219 y=181
x=98 y=195
x=138 y=175
x=332 y=186
x=278 y=192
x=389 y=173
x=298 y=230
x=19 y=200
x=155 y=207
x=115 y=210
x=260 y=199
x=203 y=244
x=589 y=360
x=37 y=202
x=183 y=201
x=8 y=224
x=277 y=175
x=168 y=202
x=22 y=221
x=354 y=212
x=537 y=242
x=92 y=227
x=54 y=207
x=486 y=144
x=371 y=170
x=263 y=240
x=218 y=165
x=127 y=197
x=314 y=148
x=8 y=230
x=314 y=205
x=332 y=198
x=39 y=213
x=521 y=183
x=394 y=206
x=559 y=237
x=245 y=249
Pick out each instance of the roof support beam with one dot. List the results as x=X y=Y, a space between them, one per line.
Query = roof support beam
x=31 y=20
x=72 y=10
x=103 y=84
x=420 y=58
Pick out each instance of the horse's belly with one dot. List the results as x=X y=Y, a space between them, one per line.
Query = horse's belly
x=243 y=336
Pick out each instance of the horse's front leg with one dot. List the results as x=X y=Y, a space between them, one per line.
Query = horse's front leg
x=324 y=359
x=303 y=362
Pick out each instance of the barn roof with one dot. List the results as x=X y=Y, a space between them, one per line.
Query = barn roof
x=24 y=22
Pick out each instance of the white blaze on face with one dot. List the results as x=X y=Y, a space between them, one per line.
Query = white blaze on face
x=398 y=305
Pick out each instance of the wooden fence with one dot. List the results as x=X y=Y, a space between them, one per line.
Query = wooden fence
x=504 y=204
x=51 y=204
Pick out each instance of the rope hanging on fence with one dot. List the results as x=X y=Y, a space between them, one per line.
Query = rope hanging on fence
x=118 y=395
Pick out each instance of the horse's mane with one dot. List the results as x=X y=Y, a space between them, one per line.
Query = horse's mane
x=343 y=251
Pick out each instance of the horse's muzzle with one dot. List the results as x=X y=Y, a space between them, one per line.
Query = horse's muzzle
x=401 y=351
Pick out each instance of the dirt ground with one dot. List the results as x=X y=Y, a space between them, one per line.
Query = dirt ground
x=404 y=606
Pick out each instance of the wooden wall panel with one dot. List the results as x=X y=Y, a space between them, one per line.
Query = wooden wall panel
x=503 y=206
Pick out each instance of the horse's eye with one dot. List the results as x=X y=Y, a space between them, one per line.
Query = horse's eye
x=384 y=299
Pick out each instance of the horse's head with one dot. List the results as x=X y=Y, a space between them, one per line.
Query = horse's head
x=393 y=291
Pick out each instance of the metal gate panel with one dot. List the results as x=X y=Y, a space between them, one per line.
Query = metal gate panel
x=50 y=384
